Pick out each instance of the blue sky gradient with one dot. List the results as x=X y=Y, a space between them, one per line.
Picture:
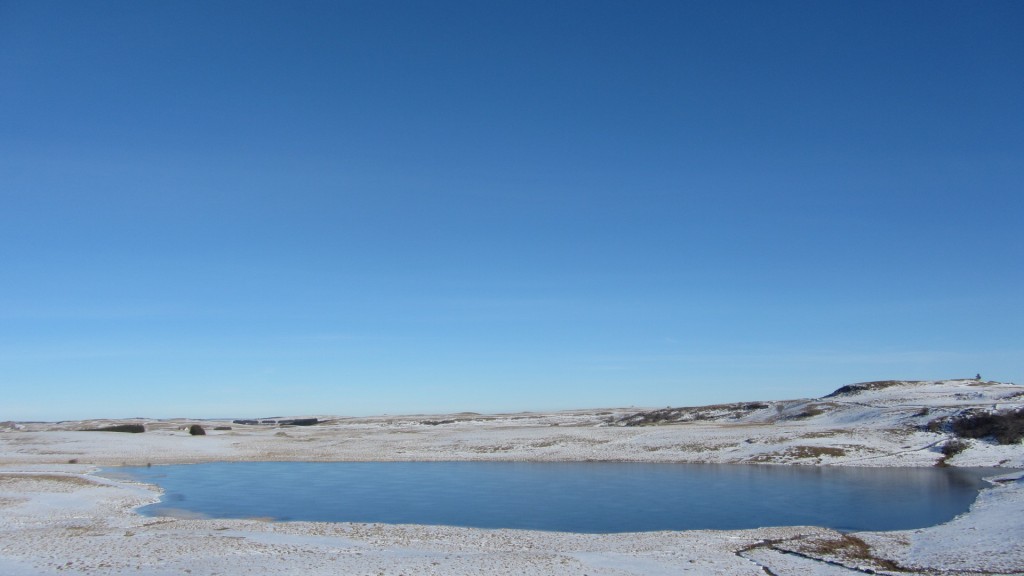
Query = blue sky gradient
x=257 y=208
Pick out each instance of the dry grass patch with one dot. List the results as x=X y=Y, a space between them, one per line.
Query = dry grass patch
x=8 y=502
x=46 y=482
x=692 y=447
x=814 y=451
x=83 y=531
x=798 y=453
x=545 y=444
x=843 y=548
x=810 y=412
x=492 y=449
x=822 y=434
x=1005 y=427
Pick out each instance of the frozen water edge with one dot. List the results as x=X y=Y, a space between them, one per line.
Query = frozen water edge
x=56 y=518
x=59 y=519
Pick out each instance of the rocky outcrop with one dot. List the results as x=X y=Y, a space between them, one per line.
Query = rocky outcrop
x=278 y=422
x=130 y=428
x=851 y=389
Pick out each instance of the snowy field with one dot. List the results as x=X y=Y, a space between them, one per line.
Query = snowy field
x=57 y=517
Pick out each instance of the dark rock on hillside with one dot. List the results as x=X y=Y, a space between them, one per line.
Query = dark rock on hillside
x=278 y=422
x=130 y=428
x=715 y=412
x=653 y=417
x=851 y=389
x=299 y=422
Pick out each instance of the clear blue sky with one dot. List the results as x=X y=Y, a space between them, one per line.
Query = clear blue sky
x=260 y=208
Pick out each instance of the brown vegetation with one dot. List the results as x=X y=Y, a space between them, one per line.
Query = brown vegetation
x=865 y=386
x=815 y=451
x=1006 y=427
x=692 y=414
x=812 y=410
x=849 y=548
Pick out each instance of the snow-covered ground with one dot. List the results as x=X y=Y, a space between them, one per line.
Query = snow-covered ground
x=57 y=517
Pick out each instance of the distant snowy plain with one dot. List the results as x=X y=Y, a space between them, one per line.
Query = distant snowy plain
x=58 y=517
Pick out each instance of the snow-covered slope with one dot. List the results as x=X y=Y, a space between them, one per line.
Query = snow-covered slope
x=891 y=423
x=863 y=423
x=58 y=518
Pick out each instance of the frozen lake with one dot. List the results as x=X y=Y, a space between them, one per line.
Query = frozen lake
x=572 y=497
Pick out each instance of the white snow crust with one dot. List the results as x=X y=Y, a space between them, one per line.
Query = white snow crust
x=58 y=517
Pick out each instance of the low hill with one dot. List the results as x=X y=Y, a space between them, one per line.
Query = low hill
x=888 y=423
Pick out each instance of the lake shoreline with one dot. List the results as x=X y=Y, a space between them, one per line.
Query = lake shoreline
x=58 y=517
x=575 y=497
x=65 y=502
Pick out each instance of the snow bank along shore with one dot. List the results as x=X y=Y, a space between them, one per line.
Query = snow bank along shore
x=57 y=517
